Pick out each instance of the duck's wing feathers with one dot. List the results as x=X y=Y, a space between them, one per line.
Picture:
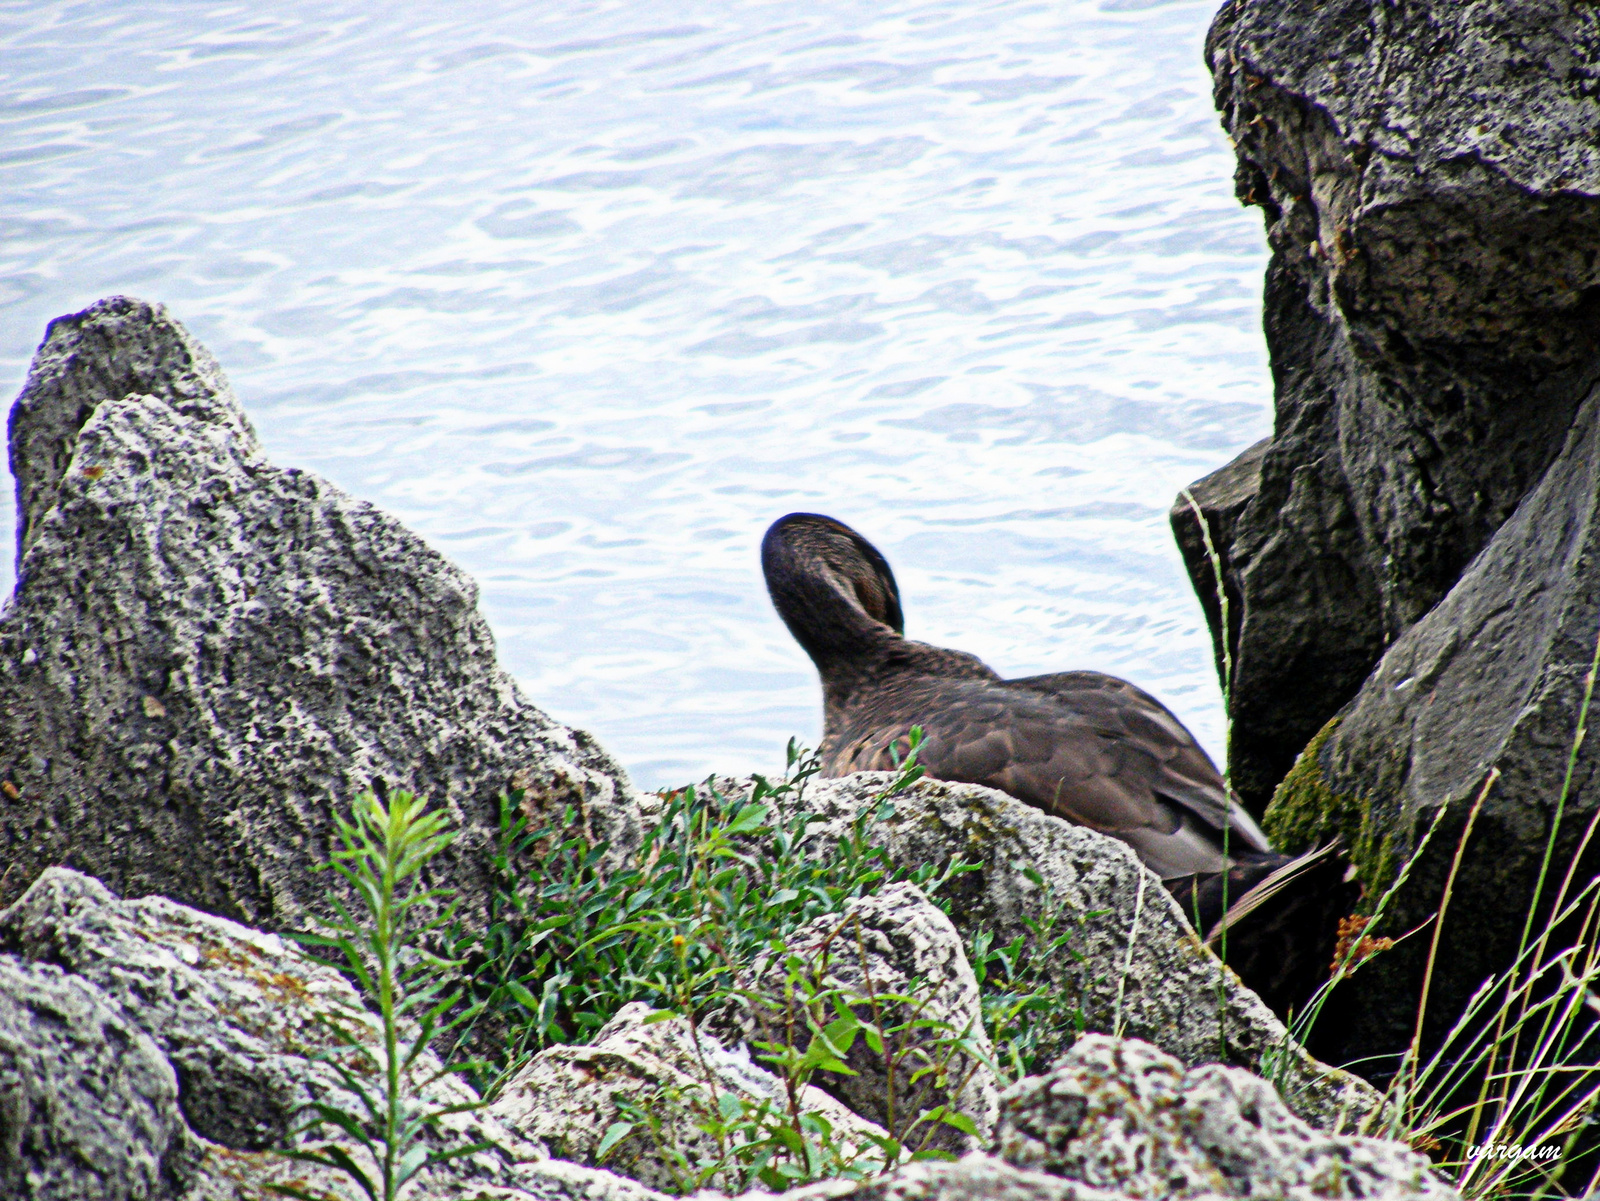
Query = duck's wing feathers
x=1184 y=772
x=1104 y=764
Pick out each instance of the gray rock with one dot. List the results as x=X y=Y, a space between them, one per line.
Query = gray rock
x=975 y=1177
x=88 y=1104
x=895 y=942
x=1141 y=972
x=1491 y=679
x=567 y=1097
x=160 y=1052
x=207 y=656
x=1120 y=1115
x=1430 y=179
x=119 y=347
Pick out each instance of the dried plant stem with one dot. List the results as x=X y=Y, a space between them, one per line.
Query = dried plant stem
x=1224 y=636
x=1127 y=960
x=1438 y=922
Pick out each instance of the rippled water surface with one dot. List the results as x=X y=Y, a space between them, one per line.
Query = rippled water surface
x=588 y=294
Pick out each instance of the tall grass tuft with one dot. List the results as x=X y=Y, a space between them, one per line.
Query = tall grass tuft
x=1519 y=1067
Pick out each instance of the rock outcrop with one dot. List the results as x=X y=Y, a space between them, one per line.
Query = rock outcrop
x=1137 y=967
x=1492 y=679
x=207 y=656
x=1118 y=1114
x=1430 y=177
x=151 y=1051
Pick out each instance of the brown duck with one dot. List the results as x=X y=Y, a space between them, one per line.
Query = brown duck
x=1081 y=745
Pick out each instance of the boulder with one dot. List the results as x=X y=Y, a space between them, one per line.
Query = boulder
x=1492 y=679
x=1120 y=1115
x=1136 y=966
x=207 y=656
x=894 y=942
x=1430 y=179
x=151 y=1051
x=663 y=1080
x=88 y=1104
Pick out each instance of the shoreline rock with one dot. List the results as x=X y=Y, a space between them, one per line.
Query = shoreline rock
x=1431 y=189
x=189 y=1053
x=1136 y=966
x=207 y=656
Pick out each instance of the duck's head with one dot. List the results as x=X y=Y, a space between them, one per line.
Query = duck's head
x=830 y=585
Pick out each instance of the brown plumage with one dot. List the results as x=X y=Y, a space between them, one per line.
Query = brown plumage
x=1086 y=747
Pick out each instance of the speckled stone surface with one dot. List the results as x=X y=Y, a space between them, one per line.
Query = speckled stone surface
x=1142 y=971
x=567 y=1097
x=1119 y=1114
x=204 y=1036
x=207 y=655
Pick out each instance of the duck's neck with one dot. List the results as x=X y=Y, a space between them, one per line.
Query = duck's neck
x=877 y=660
x=844 y=679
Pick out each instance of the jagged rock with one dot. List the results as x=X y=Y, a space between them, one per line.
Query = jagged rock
x=1119 y=1114
x=1142 y=971
x=1492 y=678
x=148 y=1050
x=567 y=1097
x=207 y=656
x=1430 y=178
x=895 y=942
x=975 y=1177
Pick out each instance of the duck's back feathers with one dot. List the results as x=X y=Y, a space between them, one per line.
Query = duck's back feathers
x=1093 y=755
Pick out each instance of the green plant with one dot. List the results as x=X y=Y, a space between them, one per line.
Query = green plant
x=1030 y=1016
x=708 y=890
x=809 y=1022
x=384 y=848
x=721 y=884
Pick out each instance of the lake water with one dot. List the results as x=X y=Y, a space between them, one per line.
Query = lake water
x=589 y=293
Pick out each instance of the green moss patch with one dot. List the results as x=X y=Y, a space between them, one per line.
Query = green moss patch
x=1306 y=812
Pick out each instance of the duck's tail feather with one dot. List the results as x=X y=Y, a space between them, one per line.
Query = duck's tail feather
x=1276 y=916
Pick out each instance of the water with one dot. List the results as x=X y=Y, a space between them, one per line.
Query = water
x=589 y=293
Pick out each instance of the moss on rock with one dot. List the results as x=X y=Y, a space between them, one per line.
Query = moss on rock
x=1306 y=812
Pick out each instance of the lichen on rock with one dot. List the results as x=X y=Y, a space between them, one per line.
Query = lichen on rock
x=1306 y=813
